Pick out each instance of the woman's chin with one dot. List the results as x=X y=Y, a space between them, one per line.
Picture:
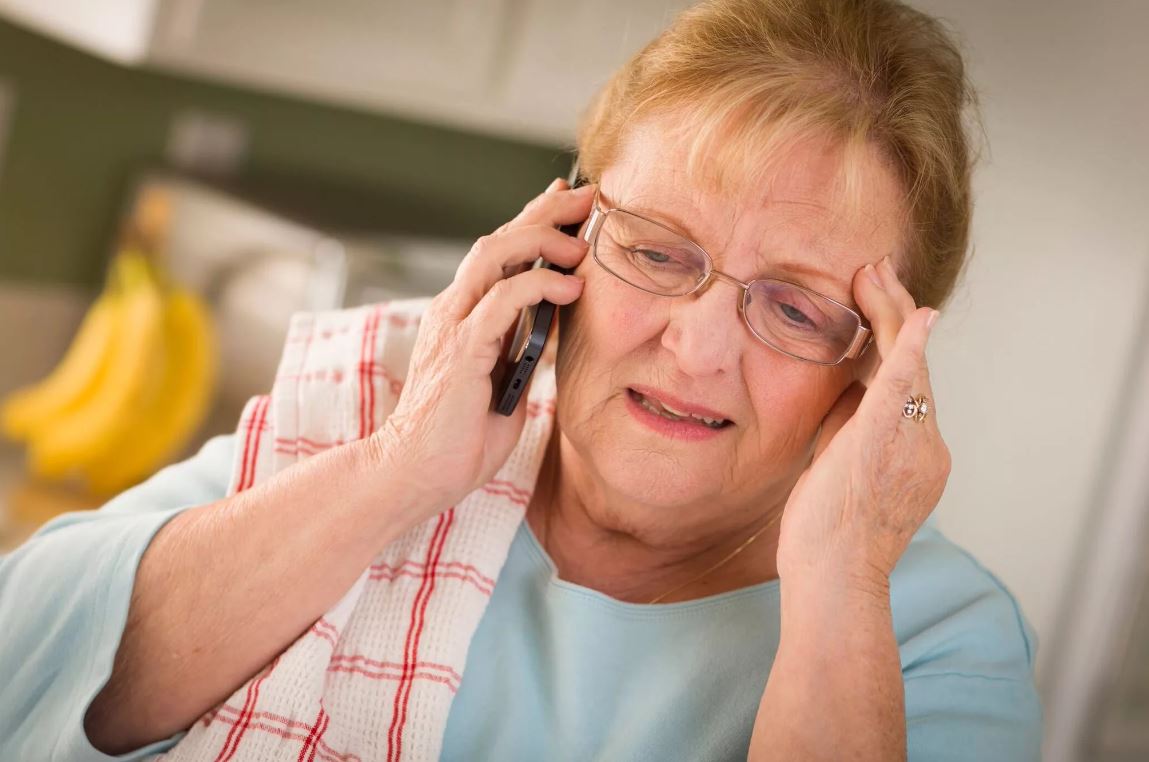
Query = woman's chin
x=653 y=478
x=643 y=466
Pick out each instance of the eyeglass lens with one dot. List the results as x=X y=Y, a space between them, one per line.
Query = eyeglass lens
x=788 y=317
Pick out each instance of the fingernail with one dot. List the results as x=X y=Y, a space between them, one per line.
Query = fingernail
x=888 y=265
x=872 y=274
x=554 y=184
x=585 y=189
x=576 y=279
x=932 y=319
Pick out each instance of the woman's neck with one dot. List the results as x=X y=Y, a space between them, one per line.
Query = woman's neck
x=594 y=547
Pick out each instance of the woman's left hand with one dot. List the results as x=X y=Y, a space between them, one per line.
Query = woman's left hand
x=876 y=475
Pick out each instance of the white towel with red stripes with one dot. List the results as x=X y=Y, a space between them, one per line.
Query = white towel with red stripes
x=373 y=679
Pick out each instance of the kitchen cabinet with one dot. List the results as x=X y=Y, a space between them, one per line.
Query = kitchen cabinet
x=115 y=29
x=433 y=58
x=519 y=68
x=567 y=51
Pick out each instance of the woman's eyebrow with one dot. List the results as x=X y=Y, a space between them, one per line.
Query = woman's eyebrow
x=804 y=273
x=798 y=268
x=637 y=205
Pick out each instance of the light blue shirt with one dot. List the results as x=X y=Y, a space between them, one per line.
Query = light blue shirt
x=555 y=671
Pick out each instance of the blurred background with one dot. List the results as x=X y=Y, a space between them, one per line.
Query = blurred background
x=199 y=169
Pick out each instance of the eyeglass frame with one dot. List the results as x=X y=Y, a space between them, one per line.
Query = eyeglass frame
x=861 y=340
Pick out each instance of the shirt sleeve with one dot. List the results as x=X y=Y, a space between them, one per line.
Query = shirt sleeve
x=64 y=597
x=972 y=717
x=967 y=658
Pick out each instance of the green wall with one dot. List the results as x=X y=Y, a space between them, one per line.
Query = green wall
x=82 y=126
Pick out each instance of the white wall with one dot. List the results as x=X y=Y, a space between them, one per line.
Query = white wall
x=1028 y=360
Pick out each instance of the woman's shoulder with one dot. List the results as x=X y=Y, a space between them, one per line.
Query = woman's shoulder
x=953 y=616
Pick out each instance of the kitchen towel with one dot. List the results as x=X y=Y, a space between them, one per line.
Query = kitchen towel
x=374 y=678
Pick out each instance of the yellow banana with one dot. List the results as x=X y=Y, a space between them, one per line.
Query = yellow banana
x=134 y=361
x=68 y=385
x=161 y=428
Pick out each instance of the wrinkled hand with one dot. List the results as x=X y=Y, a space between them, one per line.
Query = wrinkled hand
x=443 y=433
x=875 y=475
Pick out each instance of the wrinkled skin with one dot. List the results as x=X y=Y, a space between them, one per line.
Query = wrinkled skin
x=875 y=477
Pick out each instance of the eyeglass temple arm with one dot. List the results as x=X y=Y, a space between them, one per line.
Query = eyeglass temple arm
x=863 y=337
x=593 y=222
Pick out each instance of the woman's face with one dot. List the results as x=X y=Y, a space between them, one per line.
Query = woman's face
x=697 y=348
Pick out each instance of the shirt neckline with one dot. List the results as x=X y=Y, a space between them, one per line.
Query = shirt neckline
x=768 y=590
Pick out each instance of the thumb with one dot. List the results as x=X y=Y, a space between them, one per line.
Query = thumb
x=843 y=409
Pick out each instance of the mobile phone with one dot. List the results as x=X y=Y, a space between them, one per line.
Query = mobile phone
x=523 y=347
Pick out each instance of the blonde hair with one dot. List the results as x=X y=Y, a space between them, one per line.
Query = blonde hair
x=743 y=78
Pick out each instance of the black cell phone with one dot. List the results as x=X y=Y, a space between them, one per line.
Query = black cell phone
x=523 y=347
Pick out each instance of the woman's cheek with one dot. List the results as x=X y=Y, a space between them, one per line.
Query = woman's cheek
x=792 y=397
x=616 y=315
x=600 y=339
x=644 y=315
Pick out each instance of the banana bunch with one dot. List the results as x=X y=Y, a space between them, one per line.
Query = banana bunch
x=132 y=389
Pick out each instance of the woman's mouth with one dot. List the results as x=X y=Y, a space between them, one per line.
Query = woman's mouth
x=664 y=410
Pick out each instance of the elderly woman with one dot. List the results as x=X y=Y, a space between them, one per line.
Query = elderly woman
x=721 y=548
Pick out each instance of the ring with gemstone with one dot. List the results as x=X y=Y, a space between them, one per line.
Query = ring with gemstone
x=917 y=409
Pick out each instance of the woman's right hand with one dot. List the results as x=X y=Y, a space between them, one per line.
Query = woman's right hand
x=443 y=434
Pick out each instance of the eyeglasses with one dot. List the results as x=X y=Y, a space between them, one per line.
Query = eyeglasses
x=789 y=318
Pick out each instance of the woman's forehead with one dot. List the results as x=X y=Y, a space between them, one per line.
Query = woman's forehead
x=800 y=221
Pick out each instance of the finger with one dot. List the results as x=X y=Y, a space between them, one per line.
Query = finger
x=496 y=256
x=498 y=310
x=879 y=308
x=893 y=286
x=843 y=409
x=905 y=301
x=556 y=206
x=902 y=371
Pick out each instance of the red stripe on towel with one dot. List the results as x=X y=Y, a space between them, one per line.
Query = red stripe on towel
x=364 y=379
x=366 y=662
x=422 y=622
x=305 y=442
x=414 y=632
x=388 y=576
x=291 y=730
x=367 y=368
x=307 y=751
x=319 y=735
x=506 y=492
x=241 y=725
x=513 y=488
x=400 y=676
x=260 y=430
x=336 y=376
x=468 y=568
x=253 y=423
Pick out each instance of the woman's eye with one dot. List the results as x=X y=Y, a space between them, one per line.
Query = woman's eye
x=796 y=315
x=650 y=255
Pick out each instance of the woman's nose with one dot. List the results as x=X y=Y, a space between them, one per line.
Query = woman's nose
x=705 y=330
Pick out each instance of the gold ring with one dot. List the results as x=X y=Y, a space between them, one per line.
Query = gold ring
x=917 y=409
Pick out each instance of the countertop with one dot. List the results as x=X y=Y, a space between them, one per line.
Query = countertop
x=26 y=504
x=39 y=323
